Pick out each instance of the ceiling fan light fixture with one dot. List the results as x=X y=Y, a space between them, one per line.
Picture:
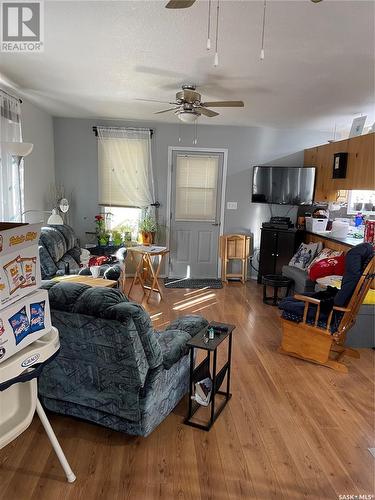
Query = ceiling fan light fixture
x=187 y=116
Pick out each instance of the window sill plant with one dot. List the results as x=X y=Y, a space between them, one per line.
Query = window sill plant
x=101 y=233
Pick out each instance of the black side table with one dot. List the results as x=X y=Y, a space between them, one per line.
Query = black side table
x=203 y=369
x=276 y=281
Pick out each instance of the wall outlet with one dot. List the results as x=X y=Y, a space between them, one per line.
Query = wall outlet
x=231 y=205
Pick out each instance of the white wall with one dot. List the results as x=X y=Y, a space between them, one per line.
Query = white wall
x=39 y=166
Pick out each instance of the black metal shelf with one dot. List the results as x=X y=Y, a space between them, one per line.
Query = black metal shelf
x=202 y=371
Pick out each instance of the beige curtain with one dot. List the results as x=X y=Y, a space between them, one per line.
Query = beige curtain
x=125 y=167
x=11 y=175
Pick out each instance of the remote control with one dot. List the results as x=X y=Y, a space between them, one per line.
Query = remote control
x=221 y=329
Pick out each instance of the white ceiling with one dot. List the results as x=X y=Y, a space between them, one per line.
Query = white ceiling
x=101 y=55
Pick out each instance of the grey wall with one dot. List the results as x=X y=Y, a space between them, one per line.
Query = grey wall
x=39 y=166
x=76 y=164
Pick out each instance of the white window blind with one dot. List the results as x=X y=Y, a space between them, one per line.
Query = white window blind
x=125 y=167
x=196 y=187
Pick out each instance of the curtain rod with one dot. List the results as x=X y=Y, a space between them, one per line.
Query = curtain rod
x=10 y=95
x=95 y=129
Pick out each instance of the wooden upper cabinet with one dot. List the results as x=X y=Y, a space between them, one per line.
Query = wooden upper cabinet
x=310 y=157
x=360 y=173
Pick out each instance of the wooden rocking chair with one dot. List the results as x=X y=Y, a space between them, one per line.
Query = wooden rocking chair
x=320 y=345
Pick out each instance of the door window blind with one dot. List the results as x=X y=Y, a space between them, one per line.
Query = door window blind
x=196 y=187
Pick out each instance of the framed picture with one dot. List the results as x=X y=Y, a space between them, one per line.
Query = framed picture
x=357 y=126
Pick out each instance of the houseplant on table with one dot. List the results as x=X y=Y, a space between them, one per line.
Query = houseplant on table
x=147 y=229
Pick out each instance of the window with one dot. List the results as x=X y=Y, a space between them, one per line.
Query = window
x=196 y=187
x=11 y=171
x=125 y=168
x=123 y=219
x=361 y=201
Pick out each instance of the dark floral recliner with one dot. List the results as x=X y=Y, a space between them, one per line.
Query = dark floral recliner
x=113 y=368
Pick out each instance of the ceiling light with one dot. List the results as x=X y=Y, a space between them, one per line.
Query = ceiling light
x=187 y=116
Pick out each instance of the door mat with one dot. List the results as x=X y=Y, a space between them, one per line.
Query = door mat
x=192 y=283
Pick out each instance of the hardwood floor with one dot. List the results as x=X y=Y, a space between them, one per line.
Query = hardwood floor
x=291 y=430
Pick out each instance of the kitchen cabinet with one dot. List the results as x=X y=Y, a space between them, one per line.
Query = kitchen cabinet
x=360 y=168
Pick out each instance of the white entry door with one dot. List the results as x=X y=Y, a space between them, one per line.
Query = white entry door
x=196 y=186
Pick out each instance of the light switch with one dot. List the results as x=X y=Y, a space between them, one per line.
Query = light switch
x=231 y=205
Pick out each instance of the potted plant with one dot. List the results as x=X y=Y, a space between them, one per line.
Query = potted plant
x=147 y=229
x=127 y=230
x=101 y=232
x=116 y=238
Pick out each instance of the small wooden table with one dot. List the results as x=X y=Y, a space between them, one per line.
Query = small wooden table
x=145 y=272
x=87 y=280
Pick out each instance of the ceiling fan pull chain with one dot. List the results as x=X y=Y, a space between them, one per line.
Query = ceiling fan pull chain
x=216 y=60
x=263 y=30
x=209 y=26
x=179 y=132
x=195 y=140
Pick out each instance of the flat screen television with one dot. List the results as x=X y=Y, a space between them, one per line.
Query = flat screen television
x=283 y=185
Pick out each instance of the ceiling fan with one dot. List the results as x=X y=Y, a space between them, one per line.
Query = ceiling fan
x=189 y=105
x=184 y=4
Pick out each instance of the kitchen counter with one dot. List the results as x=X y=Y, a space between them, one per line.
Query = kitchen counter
x=348 y=241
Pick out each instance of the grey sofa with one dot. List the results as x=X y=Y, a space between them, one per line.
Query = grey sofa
x=302 y=283
x=59 y=251
x=113 y=368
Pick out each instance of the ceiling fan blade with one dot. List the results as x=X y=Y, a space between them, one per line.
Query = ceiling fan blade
x=166 y=110
x=155 y=100
x=206 y=112
x=179 y=4
x=224 y=104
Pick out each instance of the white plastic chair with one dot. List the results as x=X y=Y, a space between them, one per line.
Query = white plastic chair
x=19 y=394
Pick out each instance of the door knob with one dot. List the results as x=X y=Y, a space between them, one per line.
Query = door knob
x=216 y=223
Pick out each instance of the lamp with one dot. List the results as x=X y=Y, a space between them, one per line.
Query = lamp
x=54 y=218
x=18 y=149
x=187 y=116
